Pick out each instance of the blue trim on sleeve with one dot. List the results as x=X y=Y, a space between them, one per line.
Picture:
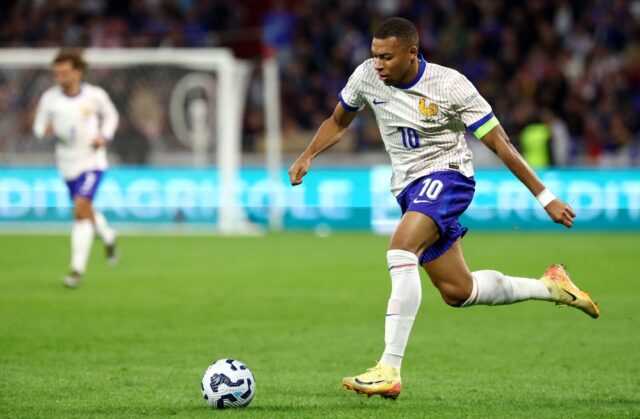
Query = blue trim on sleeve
x=423 y=66
x=479 y=123
x=346 y=105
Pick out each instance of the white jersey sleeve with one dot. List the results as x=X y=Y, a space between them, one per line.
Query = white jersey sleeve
x=474 y=111
x=43 y=116
x=351 y=96
x=108 y=114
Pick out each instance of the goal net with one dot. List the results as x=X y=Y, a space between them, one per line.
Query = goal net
x=178 y=107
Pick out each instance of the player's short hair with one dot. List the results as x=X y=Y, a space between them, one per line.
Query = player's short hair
x=399 y=27
x=72 y=55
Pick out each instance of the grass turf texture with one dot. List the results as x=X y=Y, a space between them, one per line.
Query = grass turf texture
x=303 y=312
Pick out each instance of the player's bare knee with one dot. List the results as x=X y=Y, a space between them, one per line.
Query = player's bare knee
x=400 y=246
x=454 y=296
x=82 y=215
x=82 y=210
x=408 y=245
x=454 y=300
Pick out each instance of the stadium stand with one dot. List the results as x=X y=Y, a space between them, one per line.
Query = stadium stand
x=558 y=73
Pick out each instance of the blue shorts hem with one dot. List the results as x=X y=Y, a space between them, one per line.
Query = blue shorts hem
x=85 y=185
x=442 y=196
x=440 y=247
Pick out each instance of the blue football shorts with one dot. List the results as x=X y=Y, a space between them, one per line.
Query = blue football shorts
x=443 y=197
x=85 y=185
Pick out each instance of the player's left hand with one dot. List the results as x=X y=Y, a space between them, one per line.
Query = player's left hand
x=560 y=212
x=98 y=142
x=48 y=130
x=298 y=169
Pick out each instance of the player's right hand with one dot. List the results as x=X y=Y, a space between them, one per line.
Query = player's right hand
x=298 y=169
x=98 y=142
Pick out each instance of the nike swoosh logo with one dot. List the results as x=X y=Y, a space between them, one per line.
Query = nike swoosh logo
x=420 y=201
x=391 y=314
x=378 y=102
x=571 y=294
x=364 y=383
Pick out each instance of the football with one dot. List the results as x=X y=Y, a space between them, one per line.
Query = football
x=228 y=383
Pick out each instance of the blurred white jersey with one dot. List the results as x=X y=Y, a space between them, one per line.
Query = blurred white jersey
x=422 y=122
x=76 y=122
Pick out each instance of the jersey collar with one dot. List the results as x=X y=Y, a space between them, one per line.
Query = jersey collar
x=76 y=95
x=423 y=66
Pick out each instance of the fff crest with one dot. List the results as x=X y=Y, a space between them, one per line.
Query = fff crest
x=427 y=110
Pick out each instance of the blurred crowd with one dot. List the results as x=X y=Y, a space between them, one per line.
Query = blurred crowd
x=563 y=76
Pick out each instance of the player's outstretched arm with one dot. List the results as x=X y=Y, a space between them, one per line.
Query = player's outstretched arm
x=329 y=133
x=498 y=141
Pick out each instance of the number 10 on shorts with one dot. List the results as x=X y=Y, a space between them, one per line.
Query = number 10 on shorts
x=431 y=188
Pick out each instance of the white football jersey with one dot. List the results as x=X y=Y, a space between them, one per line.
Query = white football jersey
x=423 y=122
x=77 y=121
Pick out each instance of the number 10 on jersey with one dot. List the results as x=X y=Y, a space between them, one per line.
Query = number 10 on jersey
x=410 y=138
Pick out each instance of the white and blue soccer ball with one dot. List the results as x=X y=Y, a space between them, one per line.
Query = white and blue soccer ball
x=228 y=383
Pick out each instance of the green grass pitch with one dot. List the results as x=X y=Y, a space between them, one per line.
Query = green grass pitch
x=303 y=312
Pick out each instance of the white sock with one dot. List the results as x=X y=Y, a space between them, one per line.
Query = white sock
x=495 y=288
x=106 y=233
x=406 y=294
x=81 y=241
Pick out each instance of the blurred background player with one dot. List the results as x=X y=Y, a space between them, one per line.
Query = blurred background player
x=422 y=110
x=81 y=118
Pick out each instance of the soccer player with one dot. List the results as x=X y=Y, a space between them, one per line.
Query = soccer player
x=422 y=110
x=81 y=119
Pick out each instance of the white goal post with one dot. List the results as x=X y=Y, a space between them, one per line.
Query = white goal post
x=230 y=90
